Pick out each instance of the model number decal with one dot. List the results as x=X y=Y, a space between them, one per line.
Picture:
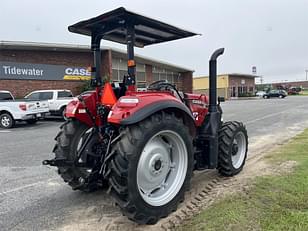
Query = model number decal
x=199 y=102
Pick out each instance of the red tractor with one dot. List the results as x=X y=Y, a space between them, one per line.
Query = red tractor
x=143 y=146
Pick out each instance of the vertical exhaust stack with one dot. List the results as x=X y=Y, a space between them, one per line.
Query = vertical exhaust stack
x=213 y=79
x=212 y=122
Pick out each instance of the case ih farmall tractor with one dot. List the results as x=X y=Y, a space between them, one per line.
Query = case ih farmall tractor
x=143 y=146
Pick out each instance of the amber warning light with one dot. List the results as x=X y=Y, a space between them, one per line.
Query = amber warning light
x=131 y=63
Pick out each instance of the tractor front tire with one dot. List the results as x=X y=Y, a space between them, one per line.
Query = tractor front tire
x=68 y=140
x=151 y=167
x=233 y=147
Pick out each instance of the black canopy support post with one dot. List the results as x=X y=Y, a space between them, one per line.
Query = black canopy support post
x=96 y=80
x=131 y=65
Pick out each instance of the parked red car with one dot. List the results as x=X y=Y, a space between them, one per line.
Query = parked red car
x=294 y=90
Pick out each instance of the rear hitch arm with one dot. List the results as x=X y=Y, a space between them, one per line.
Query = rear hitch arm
x=58 y=162
x=62 y=162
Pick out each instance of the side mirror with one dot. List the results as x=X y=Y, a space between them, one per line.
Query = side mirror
x=221 y=99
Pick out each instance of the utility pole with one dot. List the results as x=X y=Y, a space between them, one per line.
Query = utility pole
x=261 y=79
x=306 y=74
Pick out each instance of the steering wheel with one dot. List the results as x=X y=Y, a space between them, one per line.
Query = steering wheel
x=158 y=85
x=164 y=85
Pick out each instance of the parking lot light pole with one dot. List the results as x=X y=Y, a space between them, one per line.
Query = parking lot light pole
x=306 y=74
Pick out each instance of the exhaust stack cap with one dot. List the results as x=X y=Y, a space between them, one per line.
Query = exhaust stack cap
x=217 y=53
x=213 y=79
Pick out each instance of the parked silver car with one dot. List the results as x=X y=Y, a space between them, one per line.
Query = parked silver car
x=260 y=93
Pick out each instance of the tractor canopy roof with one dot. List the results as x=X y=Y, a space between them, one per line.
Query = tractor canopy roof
x=112 y=26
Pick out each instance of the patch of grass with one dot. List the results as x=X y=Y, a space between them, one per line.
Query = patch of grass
x=305 y=92
x=272 y=203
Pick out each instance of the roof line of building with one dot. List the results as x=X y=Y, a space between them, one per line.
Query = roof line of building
x=22 y=45
x=288 y=82
x=237 y=74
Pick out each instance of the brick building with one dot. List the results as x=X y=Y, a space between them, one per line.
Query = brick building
x=286 y=85
x=27 y=66
x=228 y=85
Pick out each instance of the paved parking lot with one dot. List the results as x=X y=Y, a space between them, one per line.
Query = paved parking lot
x=33 y=197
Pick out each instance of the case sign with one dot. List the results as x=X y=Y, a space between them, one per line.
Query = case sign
x=30 y=71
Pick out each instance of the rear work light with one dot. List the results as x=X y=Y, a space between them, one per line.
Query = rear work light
x=23 y=106
x=129 y=100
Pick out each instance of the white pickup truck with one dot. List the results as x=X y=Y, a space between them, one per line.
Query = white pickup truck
x=57 y=99
x=12 y=110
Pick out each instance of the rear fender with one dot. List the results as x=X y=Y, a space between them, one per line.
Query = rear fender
x=122 y=115
x=76 y=109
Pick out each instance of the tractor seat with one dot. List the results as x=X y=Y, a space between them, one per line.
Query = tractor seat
x=119 y=89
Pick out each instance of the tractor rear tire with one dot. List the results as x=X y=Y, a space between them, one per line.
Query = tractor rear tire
x=151 y=167
x=233 y=147
x=67 y=142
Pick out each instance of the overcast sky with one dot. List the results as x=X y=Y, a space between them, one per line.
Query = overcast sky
x=269 y=34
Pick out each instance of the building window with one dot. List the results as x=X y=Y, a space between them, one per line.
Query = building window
x=176 y=79
x=244 y=89
x=155 y=76
x=140 y=76
x=140 y=73
x=233 y=91
x=119 y=70
x=171 y=76
x=122 y=73
x=240 y=90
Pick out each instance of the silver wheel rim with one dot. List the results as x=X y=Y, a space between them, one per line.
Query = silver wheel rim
x=162 y=168
x=238 y=156
x=5 y=121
